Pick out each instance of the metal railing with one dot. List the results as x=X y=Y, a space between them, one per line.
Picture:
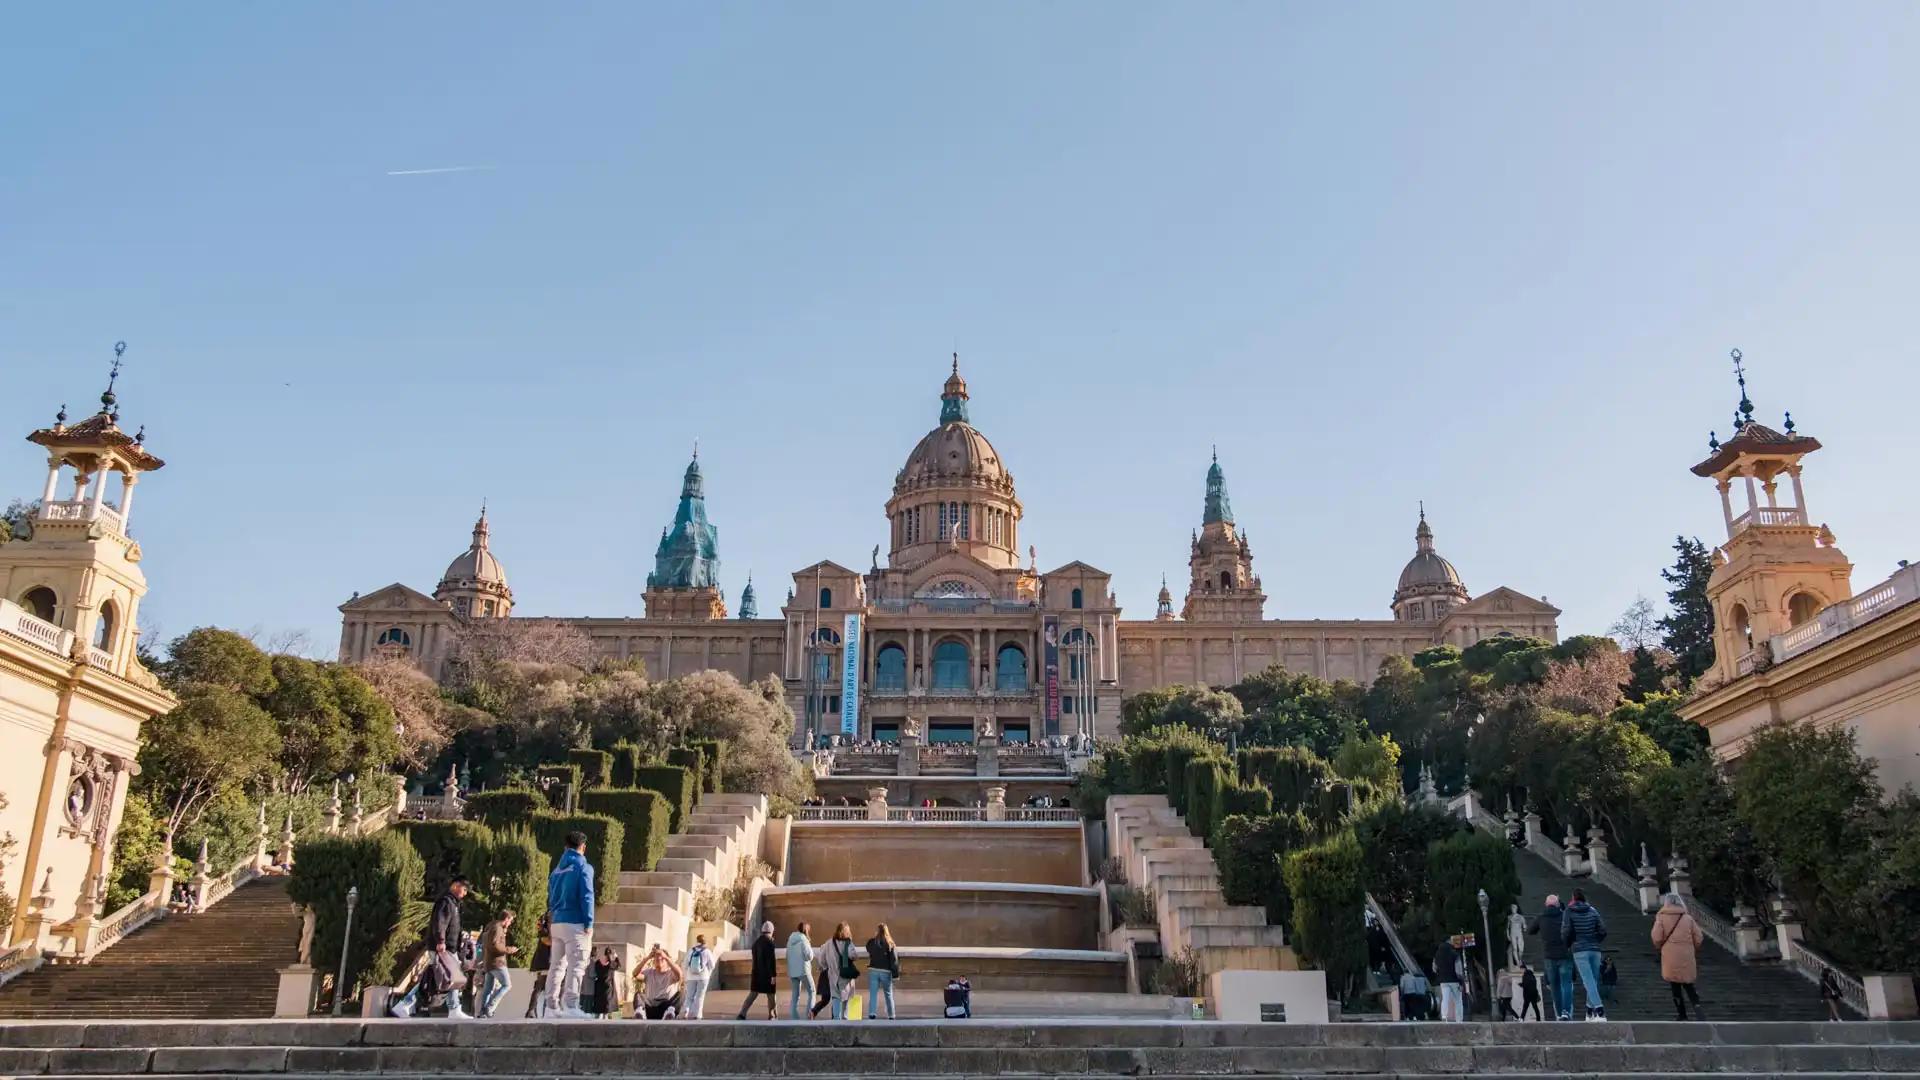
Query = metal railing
x=1804 y=959
x=1400 y=952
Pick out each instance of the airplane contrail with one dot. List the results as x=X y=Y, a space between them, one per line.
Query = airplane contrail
x=446 y=169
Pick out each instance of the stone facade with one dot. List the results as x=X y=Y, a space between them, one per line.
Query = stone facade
x=956 y=621
x=73 y=693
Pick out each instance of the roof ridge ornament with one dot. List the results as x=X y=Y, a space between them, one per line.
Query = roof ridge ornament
x=1744 y=414
x=107 y=397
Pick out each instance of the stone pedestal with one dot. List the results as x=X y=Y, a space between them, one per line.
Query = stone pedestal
x=202 y=879
x=262 y=843
x=1749 y=936
x=1274 y=997
x=1532 y=822
x=910 y=754
x=1596 y=847
x=987 y=748
x=1648 y=884
x=876 y=804
x=295 y=995
x=399 y=797
x=1890 y=997
x=997 y=803
x=1573 y=860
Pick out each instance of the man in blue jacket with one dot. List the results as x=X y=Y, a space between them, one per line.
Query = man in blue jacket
x=570 y=906
x=1582 y=930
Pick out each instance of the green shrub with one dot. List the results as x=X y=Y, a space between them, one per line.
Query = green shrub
x=672 y=781
x=626 y=758
x=447 y=848
x=779 y=806
x=1247 y=800
x=643 y=815
x=389 y=919
x=596 y=766
x=1296 y=776
x=1132 y=906
x=605 y=840
x=1328 y=897
x=1249 y=851
x=1457 y=869
x=497 y=809
x=1178 y=756
x=1394 y=838
x=557 y=781
x=1205 y=777
x=516 y=877
x=694 y=760
x=716 y=752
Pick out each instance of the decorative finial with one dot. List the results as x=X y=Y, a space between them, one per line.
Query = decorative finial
x=1713 y=441
x=956 y=363
x=1423 y=509
x=1789 y=422
x=696 y=448
x=60 y=418
x=1216 y=453
x=1745 y=414
x=140 y=437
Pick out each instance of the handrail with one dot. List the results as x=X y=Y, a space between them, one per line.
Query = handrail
x=1811 y=964
x=1400 y=953
x=133 y=915
x=19 y=960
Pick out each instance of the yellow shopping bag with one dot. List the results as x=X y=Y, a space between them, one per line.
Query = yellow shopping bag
x=854 y=1005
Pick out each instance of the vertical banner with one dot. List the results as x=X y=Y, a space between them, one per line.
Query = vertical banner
x=1050 y=639
x=850 y=679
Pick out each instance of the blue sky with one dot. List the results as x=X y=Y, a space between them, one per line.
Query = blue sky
x=1490 y=256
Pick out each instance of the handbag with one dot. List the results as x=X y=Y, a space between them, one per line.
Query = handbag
x=447 y=975
x=848 y=969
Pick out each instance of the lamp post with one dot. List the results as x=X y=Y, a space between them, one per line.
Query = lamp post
x=1486 y=946
x=346 y=938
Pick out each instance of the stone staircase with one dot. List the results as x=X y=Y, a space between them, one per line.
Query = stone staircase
x=975 y=1048
x=656 y=906
x=1730 y=989
x=1160 y=855
x=220 y=963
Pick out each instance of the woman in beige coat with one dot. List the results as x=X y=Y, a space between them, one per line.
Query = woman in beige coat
x=1678 y=938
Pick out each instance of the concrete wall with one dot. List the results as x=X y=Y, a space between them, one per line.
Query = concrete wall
x=1038 y=854
x=925 y=913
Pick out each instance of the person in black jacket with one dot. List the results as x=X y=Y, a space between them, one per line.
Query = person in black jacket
x=761 y=980
x=1583 y=930
x=1558 y=975
x=1447 y=976
x=443 y=944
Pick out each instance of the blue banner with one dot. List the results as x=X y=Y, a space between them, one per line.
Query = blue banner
x=850 y=679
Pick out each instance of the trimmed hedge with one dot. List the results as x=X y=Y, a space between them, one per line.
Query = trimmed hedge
x=643 y=815
x=390 y=918
x=626 y=758
x=1249 y=850
x=447 y=848
x=556 y=781
x=605 y=840
x=596 y=766
x=508 y=806
x=1178 y=755
x=716 y=751
x=1205 y=777
x=694 y=760
x=1328 y=895
x=672 y=781
x=1457 y=869
x=517 y=878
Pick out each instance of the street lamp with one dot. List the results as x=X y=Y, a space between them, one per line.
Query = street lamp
x=346 y=937
x=1486 y=946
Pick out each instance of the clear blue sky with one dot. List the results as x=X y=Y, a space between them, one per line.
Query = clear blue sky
x=1489 y=256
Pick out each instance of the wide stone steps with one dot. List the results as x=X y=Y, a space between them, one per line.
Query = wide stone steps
x=223 y=962
x=981 y=1047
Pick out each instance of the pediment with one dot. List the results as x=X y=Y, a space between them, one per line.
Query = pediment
x=1505 y=601
x=825 y=568
x=1077 y=567
x=395 y=597
x=954 y=566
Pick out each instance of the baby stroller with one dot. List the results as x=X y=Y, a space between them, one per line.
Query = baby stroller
x=959 y=999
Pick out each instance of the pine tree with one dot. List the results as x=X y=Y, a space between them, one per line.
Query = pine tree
x=1687 y=631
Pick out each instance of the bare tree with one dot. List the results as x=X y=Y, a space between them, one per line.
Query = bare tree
x=479 y=643
x=1638 y=627
x=420 y=714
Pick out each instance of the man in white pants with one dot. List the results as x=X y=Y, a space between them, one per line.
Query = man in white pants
x=570 y=906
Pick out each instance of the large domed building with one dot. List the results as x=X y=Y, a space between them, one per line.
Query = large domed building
x=957 y=630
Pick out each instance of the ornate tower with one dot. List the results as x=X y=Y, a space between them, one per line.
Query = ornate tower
x=1223 y=586
x=1429 y=587
x=1777 y=570
x=1163 y=609
x=81 y=571
x=685 y=583
x=475 y=584
x=954 y=493
x=749 y=607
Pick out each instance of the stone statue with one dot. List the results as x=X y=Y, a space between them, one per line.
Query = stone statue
x=1516 y=936
x=911 y=728
x=986 y=727
x=876 y=556
x=306 y=936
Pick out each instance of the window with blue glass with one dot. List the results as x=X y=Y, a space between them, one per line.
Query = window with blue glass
x=950 y=666
x=826 y=598
x=1078 y=599
x=890 y=668
x=1010 y=669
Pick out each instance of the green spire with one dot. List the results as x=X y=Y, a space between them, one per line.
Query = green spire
x=953 y=397
x=1218 y=508
x=689 y=551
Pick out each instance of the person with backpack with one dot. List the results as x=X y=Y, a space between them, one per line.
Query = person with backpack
x=1582 y=930
x=883 y=966
x=837 y=964
x=699 y=970
x=800 y=969
x=1678 y=937
x=1559 y=972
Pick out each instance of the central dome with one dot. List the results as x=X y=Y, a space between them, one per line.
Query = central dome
x=1428 y=568
x=954 y=491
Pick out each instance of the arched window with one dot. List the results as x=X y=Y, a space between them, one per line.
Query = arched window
x=488 y=609
x=1079 y=648
x=41 y=602
x=103 y=630
x=1078 y=600
x=827 y=637
x=1226 y=579
x=1011 y=669
x=1802 y=606
x=826 y=598
x=950 y=666
x=1742 y=625
x=890 y=668
x=395 y=636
